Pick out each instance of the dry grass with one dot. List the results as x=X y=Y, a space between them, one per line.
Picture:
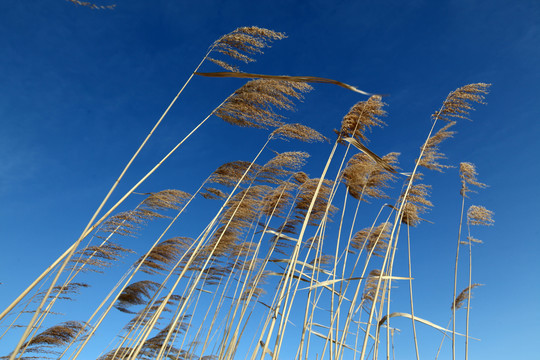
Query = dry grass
x=275 y=249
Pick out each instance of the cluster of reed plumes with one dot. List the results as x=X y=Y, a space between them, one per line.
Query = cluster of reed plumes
x=268 y=276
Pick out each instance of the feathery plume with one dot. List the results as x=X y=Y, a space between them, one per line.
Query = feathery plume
x=458 y=102
x=364 y=175
x=307 y=191
x=479 y=215
x=255 y=103
x=55 y=336
x=431 y=156
x=416 y=202
x=370 y=289
x=94 y=258
x=277 y=199
x=163 y=255
x=373 y=239
x=467 y=173
x=458 y=302
x=242 y=43
x=362 y=117
x=282 y=165
x=137 y=293
x=63 y=292
x=297 y=132
x=166 y=199
x=230 y=173
x=213 y=194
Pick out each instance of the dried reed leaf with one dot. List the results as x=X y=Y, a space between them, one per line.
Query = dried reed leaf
x=302 y=79
x=370 y=153
x=416 y=318
x=330 y=339
x=335 y=281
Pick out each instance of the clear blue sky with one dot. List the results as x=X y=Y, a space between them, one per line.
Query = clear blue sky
x=81 y=88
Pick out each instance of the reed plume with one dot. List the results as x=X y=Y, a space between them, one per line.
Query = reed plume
x=374 y=240
x=255 y=103
x=365 y=177
x=431 y=155
x=458 y=102
x=163 y=255
x=137 y=293
x=297 y=132
x=362 y=117
x=59 y=335
x=468 y=174
x=282 y=166
x=463 y=295
x=229 y=174
x=242 y=43
x=416 y=201
x=479 y=215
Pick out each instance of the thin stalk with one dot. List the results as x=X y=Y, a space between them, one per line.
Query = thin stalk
x=398 y=219
x=455 y=280
x=139 y=347
x=411 y=295
x=86 y=230
x=469 y=293
x=288 y=278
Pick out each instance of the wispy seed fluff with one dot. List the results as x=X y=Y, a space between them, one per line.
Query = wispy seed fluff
x=242 y=43
x=479 y=215
x=458 y=102
x=362 y=117
x=468 y=174
x=255 y=103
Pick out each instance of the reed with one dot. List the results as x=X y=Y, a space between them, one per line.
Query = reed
x=276 y=262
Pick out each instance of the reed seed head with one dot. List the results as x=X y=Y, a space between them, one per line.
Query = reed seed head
x=468 y=174
x=362 y=117
x=242 y=44
x=460 y=299
x=229 y=174
x=163 y=255
x=431 y=155
x=297 y=132
x=365 y=177
x=416 y=202
x=375 y=240
x=137 y=293
x=458 y=104
x=255 y=104
x=479 y=215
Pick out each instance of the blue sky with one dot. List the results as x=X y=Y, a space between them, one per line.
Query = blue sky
x=81 y=88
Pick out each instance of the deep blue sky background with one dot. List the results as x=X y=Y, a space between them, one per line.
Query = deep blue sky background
x=81 y=88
